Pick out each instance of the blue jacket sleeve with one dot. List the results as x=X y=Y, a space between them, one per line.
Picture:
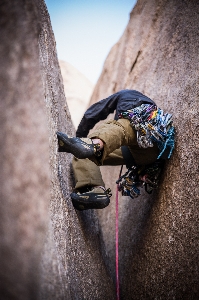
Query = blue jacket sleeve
x=95 y=113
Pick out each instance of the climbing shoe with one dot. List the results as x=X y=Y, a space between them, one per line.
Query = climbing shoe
x=79 y=147
x=96 y=198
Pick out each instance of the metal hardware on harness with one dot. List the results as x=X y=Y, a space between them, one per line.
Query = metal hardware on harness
x=135 y=178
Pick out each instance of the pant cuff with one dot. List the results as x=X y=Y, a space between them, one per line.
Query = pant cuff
x=85 y=183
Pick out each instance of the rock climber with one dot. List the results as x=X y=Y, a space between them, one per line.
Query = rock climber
x=140 y=135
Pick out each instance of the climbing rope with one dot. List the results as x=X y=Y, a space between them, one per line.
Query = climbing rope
x=117 y=241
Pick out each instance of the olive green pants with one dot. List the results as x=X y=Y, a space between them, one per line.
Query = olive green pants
x=114 y=134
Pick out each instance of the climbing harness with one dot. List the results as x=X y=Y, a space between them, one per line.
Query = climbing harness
x=152 y=125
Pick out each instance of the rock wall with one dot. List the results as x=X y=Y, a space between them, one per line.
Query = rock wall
x=158 y=239
x=48 y=250
x=78 y=90
x=24 y=172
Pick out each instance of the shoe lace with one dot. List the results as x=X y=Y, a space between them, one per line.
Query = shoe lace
x=108 y=192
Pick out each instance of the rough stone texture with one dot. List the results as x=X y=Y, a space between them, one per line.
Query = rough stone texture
x=48 y=250
x=24 y=172
x=158 y=55
x=78 y=90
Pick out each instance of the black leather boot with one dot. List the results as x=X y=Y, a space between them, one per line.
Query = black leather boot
x=79 y=147
x=96 y=198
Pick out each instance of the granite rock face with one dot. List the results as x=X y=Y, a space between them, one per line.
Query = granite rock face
x=24 y=172
x=48 y=250
x=78 y=90
x=158 y=240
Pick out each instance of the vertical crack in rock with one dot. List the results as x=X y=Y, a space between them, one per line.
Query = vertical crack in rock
x=135 y=61
x=82 y=273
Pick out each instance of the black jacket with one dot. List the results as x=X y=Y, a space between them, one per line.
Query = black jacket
x=120 y=101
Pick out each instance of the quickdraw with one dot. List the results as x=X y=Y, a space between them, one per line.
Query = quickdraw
x=135 y=178
x=152 y=125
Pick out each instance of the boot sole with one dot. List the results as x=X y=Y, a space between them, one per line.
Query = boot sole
x=89 y=201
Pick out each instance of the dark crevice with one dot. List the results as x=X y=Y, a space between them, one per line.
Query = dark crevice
x=114 y=87
x=135 y=61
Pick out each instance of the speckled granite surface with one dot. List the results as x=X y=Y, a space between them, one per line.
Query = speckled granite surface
x=158 y=56
x=48 y=250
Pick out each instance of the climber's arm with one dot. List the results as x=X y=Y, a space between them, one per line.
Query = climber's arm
x=95 y=113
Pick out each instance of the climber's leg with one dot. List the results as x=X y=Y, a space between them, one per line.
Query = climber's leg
x=112 y=133
x=114 y=159
x=115 y=134
x=86 y=173
x=89 y=190
x=89 y=186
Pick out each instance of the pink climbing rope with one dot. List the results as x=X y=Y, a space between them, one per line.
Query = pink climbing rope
x=117 y=244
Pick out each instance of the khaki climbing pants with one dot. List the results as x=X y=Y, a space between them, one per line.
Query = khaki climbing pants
x=114 y=134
